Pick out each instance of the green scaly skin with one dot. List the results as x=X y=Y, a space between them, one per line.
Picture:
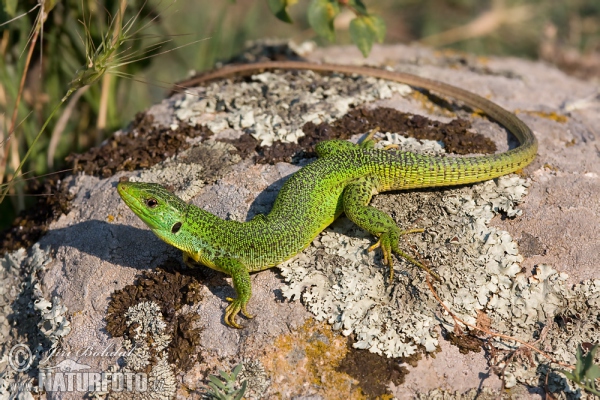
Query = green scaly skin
x=342 y=180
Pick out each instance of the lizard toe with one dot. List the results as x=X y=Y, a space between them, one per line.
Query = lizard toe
x=231 y=312
x=385 y=243
x=246 y=313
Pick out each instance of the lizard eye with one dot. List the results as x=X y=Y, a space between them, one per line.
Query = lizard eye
x=176 y=227
x=151 y=203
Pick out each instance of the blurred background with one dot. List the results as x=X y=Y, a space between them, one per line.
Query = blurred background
x=194 y=35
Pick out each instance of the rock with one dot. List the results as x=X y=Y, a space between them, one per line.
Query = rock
x=548 y=289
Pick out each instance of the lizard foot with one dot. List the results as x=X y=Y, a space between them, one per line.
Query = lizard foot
x=189 y=261
x=233 y=310
x=389 y=243
x=368 y=142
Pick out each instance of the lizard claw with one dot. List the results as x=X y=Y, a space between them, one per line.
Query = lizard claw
x=375 y=246
x=389 y=243
x=368 y=142
x=385 y=243
x=233 y=310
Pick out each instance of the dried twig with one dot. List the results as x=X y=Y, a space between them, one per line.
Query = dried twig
x=494 y=334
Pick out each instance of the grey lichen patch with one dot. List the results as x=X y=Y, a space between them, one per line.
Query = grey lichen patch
x=346 y=288
x=147 y=352
x=54 y=323
x=343 y=284
x=427 y=147
x=572 y=319
x=10 y=266
x=192 y=170
x=148 y=325
x=174 y=293
x=440 y=394
x=269 y=105
x=185 y=179
x=27 y=319
x=10 y=281
x=257 y=380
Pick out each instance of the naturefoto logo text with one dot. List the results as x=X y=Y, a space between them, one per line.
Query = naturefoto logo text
x=72 y=376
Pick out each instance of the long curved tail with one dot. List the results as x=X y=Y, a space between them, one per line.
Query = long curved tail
x=442 y=170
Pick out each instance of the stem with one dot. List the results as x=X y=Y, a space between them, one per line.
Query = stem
x=16 y=172
x=13 y=120
x=500 y=335
x=103 y=110
x=61 y=124
x=105 y=92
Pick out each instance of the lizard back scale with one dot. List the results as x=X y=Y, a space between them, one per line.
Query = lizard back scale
x=342 y=180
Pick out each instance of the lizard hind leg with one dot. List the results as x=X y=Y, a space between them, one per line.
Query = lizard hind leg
x=242 y=286
x=356 y=198
x=368 y=142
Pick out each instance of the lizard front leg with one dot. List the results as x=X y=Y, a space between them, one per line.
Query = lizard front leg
x=189 y=261
x=356 y=198
x=242 y=286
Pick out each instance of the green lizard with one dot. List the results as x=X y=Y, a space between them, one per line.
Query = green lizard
x=342 y=180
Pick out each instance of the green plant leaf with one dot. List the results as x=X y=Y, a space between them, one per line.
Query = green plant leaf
x=361 y=36
x=377 y=26
x=10 y=7
x=585 y=372
x=279 y=9
x=49 y=5
x=569 y=375
x=585 y=366
x=225 y=376
x=365 y=30
x=358 y=6
x=237 y=370
x=241 y=391
x=215 y=389
x=321 y=14
x=216 y=382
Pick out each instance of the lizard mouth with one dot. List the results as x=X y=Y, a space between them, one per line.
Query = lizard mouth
x=130 y=200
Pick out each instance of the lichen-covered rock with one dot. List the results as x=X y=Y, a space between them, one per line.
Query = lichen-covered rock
x=33 y=327
x=528 y=270
x=274 y=107
x=147 y=353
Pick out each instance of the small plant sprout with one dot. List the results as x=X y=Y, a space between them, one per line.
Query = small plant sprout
x=225 y=389
x=585 y=372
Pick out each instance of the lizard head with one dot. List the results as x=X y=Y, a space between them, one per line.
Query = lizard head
x=161 y=210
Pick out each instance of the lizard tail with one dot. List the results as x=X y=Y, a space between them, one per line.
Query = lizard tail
x=435 y=171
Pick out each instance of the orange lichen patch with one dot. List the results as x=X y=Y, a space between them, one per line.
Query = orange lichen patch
x=110 y=218
x=521 y=173
x=306 y=360
x=450 y=53
x=483 y=60
x=550 y=167
x=543 y=114
x=477 y=113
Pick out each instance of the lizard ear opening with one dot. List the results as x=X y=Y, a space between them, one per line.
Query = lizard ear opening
x=176 y=227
